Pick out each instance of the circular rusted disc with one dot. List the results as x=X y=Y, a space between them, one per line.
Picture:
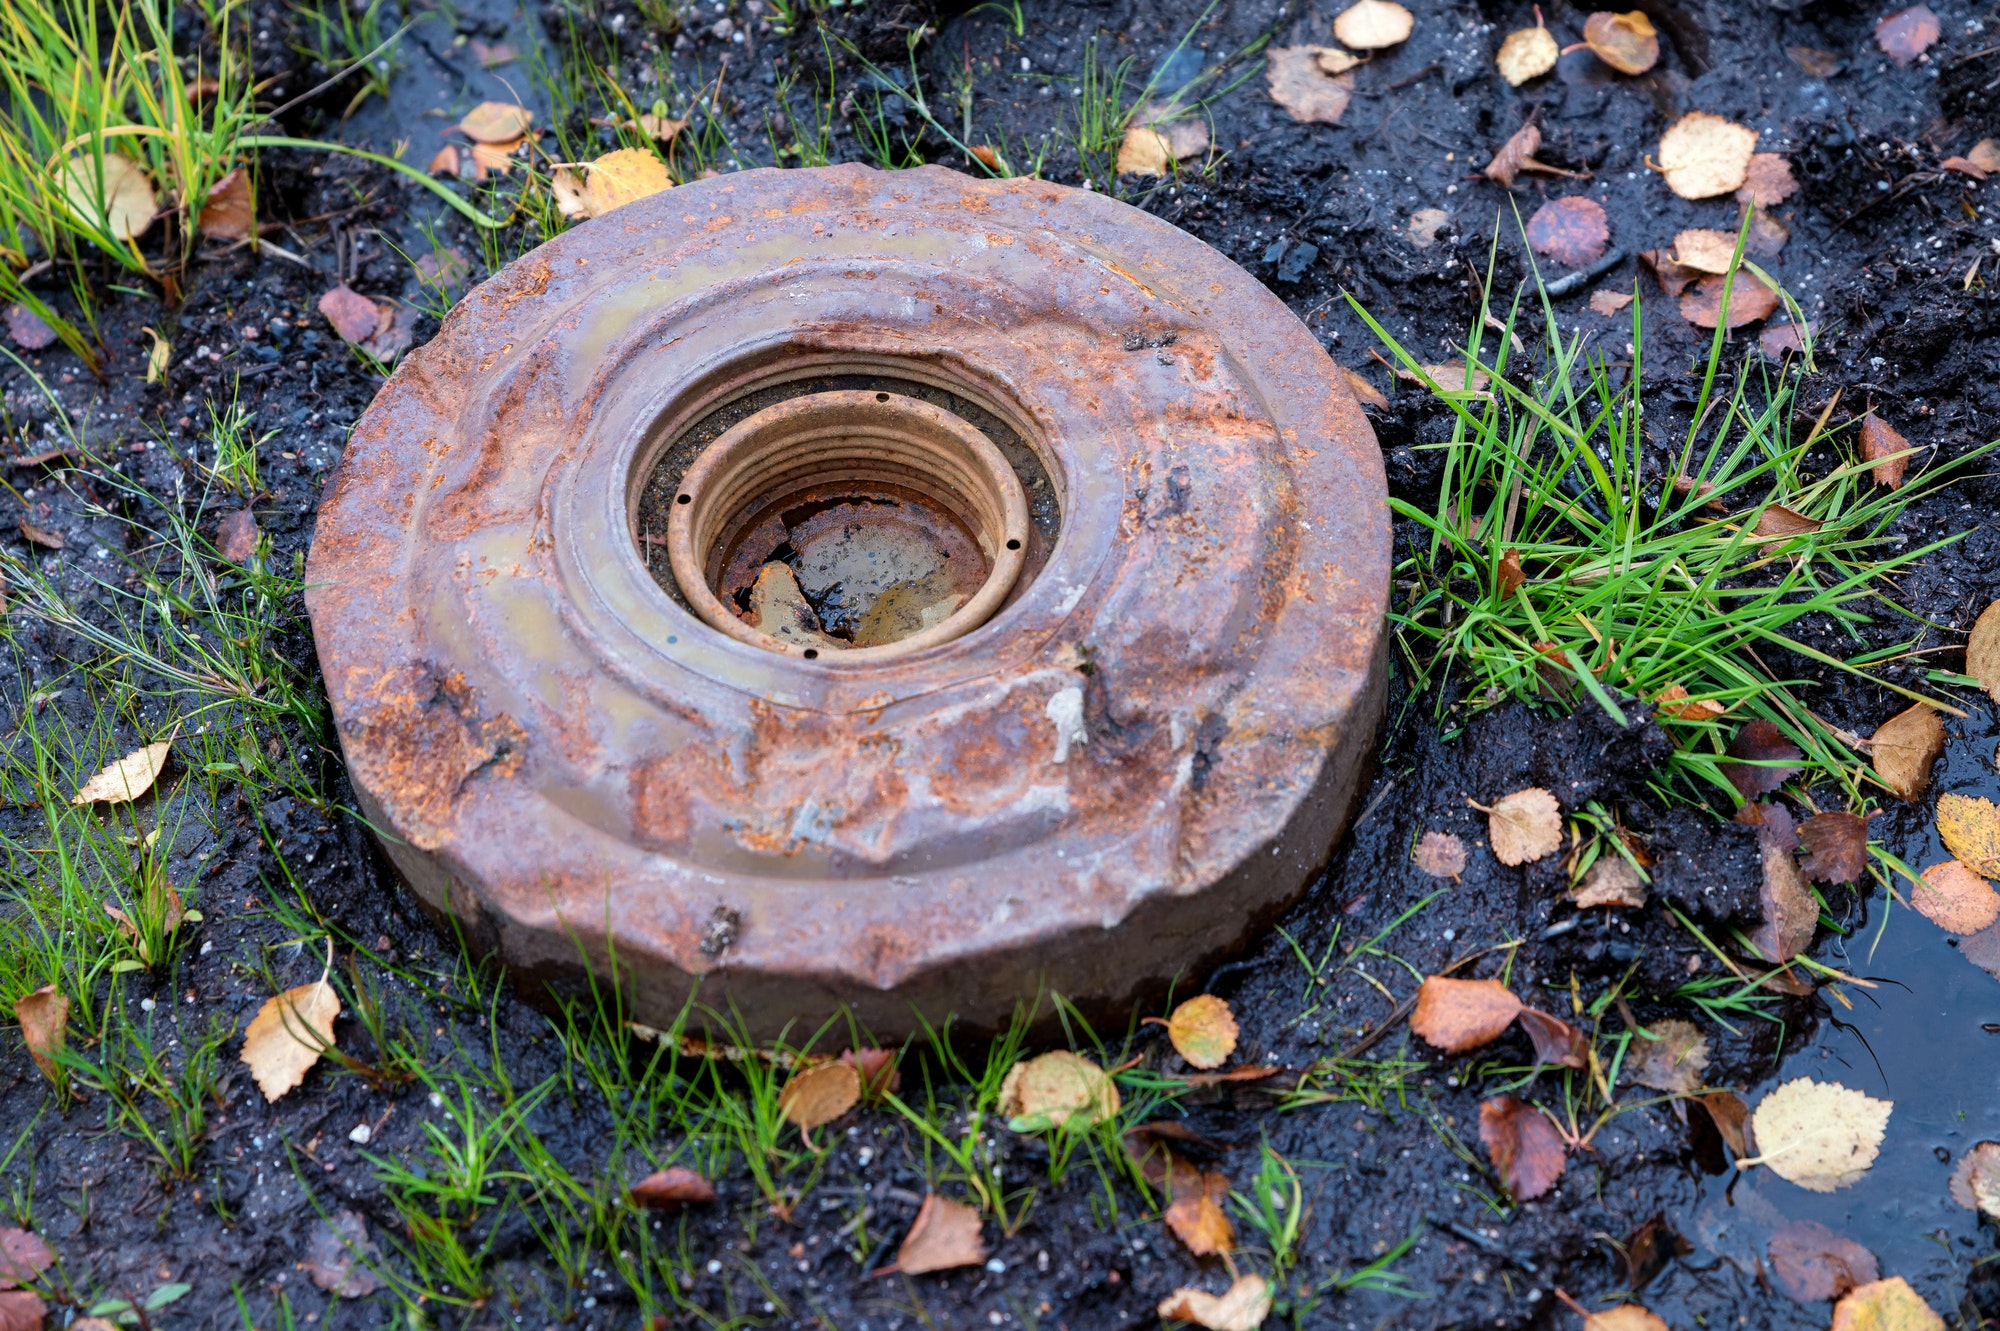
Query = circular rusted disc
x=1140 y=759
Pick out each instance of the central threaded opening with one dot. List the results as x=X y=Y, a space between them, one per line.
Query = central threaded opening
x=848 y=521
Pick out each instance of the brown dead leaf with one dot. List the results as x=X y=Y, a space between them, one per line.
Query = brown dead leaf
x=1145 y=152
x=1768 y=180
x=1955 y=899
x=1970 y=826
x=1367 y=394
x=24 y=1255
x=337 y=1257
x=1674 y=1061
x=44 y=1018
x=444 y=162
x=1760 y=759
x=1791 y=912
x=42 y=536
x=1333 y=60
x=1778 y=339
x=820 y=1094
x=1517 y=154
x=128 y=778
x=1524 y=826
x=1057 y=1089
x=1964 y=166
x=229 y=213
x=28 y=330
x=1425 y=223
x=1203 y=1031
x=1574 y=231
x=1457 y=1015
x=496 y=122
x=1372 y=25
x=1509 y=574
x=943 y=1237
x=1820 y=1135
x=1907 y=33
x=1626 y=42
x=1814 y=62
x=1975 y=1180
x=1672 y=277
x=1888 y=450
x=1731 y=1118
x=671 y=1188
x=1815 y=1265
x=1676 y=702
x=1904 y=749
x=288 y=1034
x=1982 y=650
x=1985 y=155
x=1776 y=520
x=22 y=1311
x=1439 y=854
x=1450 y=377
x=877 y=1071
x=1526 y=54
x=1885 y=1305
x=1243 y=1307
x=1836 y=846
x=495 y=157
x=1610 y=881
x=1703 y=155
x=1705 y=250
x=236 y=536
x=1767 y=236
x=1750 y=299
x=493 y=55
x=352 y=314
x=1525 y=1148
x=1608 y=302
x=1556 y=1041
x=1308 y=94
x=1197 y=1219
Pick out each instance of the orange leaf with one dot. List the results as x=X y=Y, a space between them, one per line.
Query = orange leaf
x=1457 y=1015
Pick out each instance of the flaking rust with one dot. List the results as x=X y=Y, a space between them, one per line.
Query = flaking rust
x=1135 y=764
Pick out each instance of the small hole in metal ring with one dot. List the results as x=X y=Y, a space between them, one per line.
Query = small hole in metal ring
x=685 y=499
x=1013 y=545
x=881 y=397
x=812 y=653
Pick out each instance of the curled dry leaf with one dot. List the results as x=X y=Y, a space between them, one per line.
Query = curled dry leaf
x=1626 y=42
x=621 y=177
x=1450 y=378
x=1731 y=1117
x=444 y=162
x=1768 y=180
x=1610 y=881
x=1706 y=250
x=1510 y=576
x=229 y=213
x=1333 y=60
x=1703 y=155
x=1243 y=1307
x=1457 y=1015
x=496 y=122
x=1574 y=231
x=1836 y=846
x=1371 y=25
x=1674 y=700
x=1367 y=394
x=820 y=1094
x=1524 y=826
x=1439 y=854
x=1815 y=1265
x=1203 y=1031
x=1057 y=1089
x=1750 y=298
x=1907 y=33
x=1516 y=155
x=353 y=315
x=1955 y=899
x=128 y=778
x=1975 y=1180
x=1607 y=302
x=1964 y=166
x=1970 y=826
x=41 y=535
x=1982 y=651
x=1760 y=759
x=1819 y=1135
x=1196 y=1216
x=1776 y=520
x=1527 y=53
x=1888 y=450
x=1674 y=1062
x=944 y=1236
x=1525 y=1148
x=288 y=1034
x=338 y=1252
x=1905 y=747
x=44 y=1018
x=1556 y=1041
x=236 y=536
x=120 y=199
x=1885 y=1305
x=671 y=1188
x=1308 y=93
x=24 y=1255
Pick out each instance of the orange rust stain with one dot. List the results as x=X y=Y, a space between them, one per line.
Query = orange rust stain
x=533 y=283
x=718 y=223
x=995 y=238
x=1128 y=277
x=974 y=203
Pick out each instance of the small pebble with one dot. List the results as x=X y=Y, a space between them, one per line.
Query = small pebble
x=360 y=1135
x=996 y=1266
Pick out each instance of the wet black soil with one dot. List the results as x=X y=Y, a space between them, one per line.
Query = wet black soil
x=1882 y=255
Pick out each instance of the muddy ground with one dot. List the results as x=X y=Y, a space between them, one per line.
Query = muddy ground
x=1880 y=254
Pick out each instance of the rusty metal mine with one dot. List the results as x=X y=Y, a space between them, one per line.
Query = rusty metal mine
x=830 y=587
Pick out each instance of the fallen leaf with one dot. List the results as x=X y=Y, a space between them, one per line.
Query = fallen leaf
x=1516 y=155
x=1836 y=846
x=1674 y=1062
x=44 y=1018
x=1150 y=1147
x=1705 y=250
x=1203 y=1031
x=1244 y=1072
x=496 y=122
x=1791 y=912
x=1750 y=299
x=1677 y=702
x=1767 y=236
x=444 y=162
x=671 y=1188
x=1885 y=1305
x=1524 y=826
x=1450 y=378
x=22 y=1311
x=1525 y=1148
x=1975 y=1180
x=1778 y=521
x=288 y=1034
x=395 y=329
x=820 y=1094
x=1819 y=1135
x=1439 y=854
x=352 y=314
x=1778 y=339
x=1985 y=155
x=27 y=330
x=1983 y=950
x=1815 y=1265
x=1057 y=1089
x=1955 y=899
x=1768 y=180
x=337 y=1256
x=1243 y=1307
x=1819 y=64
x=121 y=200
x=494 y=55
x=158 y=357
x=1907 y=33
x=1144 y=152
x=444 y=269
x=1367 y=394
x=1457 y=1015
x=1608 y=302
x=1371 y=25
x=1625 y=1317
x=127 y=779
x=1905 y=747
x=877 y=1071
x=1527 y=53
x=24 y=1255
x=1760 y=759
x=1982 y=650
x=1672 y=277
x=566 y=187
x=236 y=536
x=1511 y=578
x=1970 y=826
x=1556 y=1041
x=1573 y=231
x=1626 y=42
x=944 y=1236
x=1731 y=1118
x=621 y=177
x=1308 y=94
x=1964 y=166
x=1610 y=881
x=1198 y=1220
x=229 y=213
x=1703 y=155
x=41 y=535
x=495 y=157
x=1881 y=444
x=1425 y=223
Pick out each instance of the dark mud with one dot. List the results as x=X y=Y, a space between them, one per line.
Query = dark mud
x=1880 y=250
